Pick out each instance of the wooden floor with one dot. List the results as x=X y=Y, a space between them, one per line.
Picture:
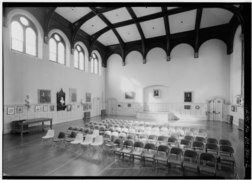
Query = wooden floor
x=31 y=157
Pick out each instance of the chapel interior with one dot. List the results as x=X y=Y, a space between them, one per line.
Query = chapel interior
x=126 y=90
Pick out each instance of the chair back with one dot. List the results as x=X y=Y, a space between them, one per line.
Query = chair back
x=99 y=139
x=163 y=148
x=61 y=135
x=212 y=147
x=89 y=138
x=177 y=151
x=50 y=133
x=96 y=132
x=198 y=145
x=185 y=142
x=207 y=157
x=224 y=142
x=189 y=138
x=149 y=146
x=200 y=139
x=227 y=150
x=138 y=144
x=190 y=154
x=212 y=141
x=128 y=143
x=79 y=137
x=73 y=134
x=172 y=139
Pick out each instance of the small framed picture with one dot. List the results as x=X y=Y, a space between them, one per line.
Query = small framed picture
x=188 y=97
x=37 y=108
x=129 y=105
x=90 y=106
x=156 y=93
x=19 y=109
x=44 y=96
x=88 y=97
x=52 y=108
x=129 y=95
x=73 y=95
x=187 y=107
x=45 y=108
x=233 y=108
x=69 y=107
x=10 y=110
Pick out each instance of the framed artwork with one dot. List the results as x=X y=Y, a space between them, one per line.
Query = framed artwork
x=187 y=107
x=197 y=107
x=129 y=105
x=19 y=109
x=129 y=95
x=233 y=108
x=69 y=107
x=52 y=108
x=89 y=106
x=73 y=95
x=37 y=108
x=85 y=107
x=88 y=97
x=156 y=92
x=188 y=97
x=10 y=110
x=44 y=96
x=45 y=108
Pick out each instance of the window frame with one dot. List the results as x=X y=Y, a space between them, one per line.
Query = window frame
x=30 y=25
x=92 y=60
x=78 y=53
x=57 y=46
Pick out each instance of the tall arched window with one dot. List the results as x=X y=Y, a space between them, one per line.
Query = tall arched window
x=23 y=35
x=57 y=49
x=79 y=57
x=94 y=64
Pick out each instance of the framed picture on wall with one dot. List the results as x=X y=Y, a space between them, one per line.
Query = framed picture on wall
x=10 y=110
x=187 y=107
x=69 y=107
x=233 y=108
x=129 y=95
x=37 y=108
x=73 y=95
x=88 y=97
x=52 y=108
x=44 y=96
x=188 y=97
x=19 y=109
x=156 y=92
x=45 y=108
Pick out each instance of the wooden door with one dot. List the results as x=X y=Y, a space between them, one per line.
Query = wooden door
x=112 y=106
x=218 y=109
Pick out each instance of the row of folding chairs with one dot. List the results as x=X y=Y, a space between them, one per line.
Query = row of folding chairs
x=189 y=158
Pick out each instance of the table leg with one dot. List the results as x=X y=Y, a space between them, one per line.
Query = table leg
x=21 y=131
x=43 y=126
x=51 y=124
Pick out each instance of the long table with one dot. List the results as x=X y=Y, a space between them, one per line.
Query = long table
x=25 y=123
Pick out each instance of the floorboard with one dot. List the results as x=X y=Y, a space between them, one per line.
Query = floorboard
x=31 y=157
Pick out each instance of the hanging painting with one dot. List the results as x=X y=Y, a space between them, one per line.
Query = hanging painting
x=188 y=97
x=129 y=95
x=156 y=93
x=44 y=96
x=73 y=95
x=88 y=97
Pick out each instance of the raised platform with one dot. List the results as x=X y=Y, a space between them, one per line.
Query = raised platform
x=159 y=117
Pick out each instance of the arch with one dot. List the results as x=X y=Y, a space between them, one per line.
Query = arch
x=172 y=48
x=36 y=23
x=221 y=40
x=158 y=47
x=67 y=43
x=86 y=54
x=99 y=61
x=133 y=51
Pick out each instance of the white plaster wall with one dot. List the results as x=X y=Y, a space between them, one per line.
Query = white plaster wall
x=24 y=75
x=206 y=76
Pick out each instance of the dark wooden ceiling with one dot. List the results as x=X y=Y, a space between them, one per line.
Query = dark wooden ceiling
x=50 y=20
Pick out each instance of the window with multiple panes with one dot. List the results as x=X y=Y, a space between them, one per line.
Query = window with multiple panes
x=94 y=64
x=57 y=50
x=24 y=36
x=79 y=57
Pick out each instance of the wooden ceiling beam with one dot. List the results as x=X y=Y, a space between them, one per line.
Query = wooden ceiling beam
x=167 y=30
x=134 y=17
x=106 y=21
x=142 y=19
x=197 y=27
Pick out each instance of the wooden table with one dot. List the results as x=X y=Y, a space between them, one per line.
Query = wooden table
x=23 y=123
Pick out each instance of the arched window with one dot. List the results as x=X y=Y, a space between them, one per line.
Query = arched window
x=23 y=35
x=57 y=50
x=79 y=57
x=94 y=64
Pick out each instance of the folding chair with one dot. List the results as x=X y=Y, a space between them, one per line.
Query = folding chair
x=149 y=153
x=212 y=141
x=175 y=156
x=190 y=160
x=207 y=163
x=162 y=155
x=138 y=150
